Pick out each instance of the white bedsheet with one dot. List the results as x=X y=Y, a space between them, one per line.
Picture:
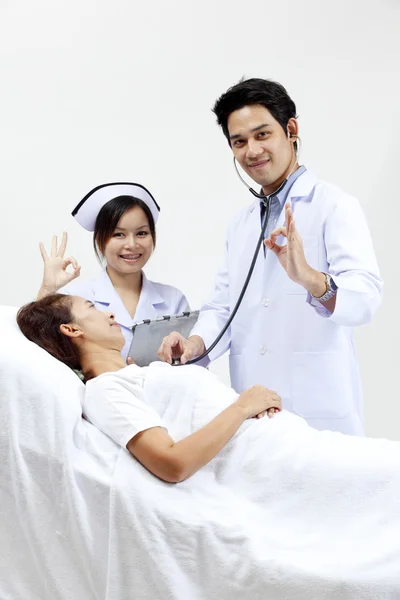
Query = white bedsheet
x=282 y=512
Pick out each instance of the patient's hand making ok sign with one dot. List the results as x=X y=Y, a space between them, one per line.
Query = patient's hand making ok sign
x=55 y=274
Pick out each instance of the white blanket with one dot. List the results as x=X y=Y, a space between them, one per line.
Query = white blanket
x=283 y=512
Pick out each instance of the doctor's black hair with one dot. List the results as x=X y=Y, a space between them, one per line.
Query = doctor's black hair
x=109 y=216
x=248 y=92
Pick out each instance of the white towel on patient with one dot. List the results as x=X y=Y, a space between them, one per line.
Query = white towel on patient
x=284 y=511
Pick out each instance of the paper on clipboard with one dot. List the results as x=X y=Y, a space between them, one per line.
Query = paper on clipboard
x=148 y=335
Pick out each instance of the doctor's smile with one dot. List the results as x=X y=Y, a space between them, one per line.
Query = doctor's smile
x=259 y=164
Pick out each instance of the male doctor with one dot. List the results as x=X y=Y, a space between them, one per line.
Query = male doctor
x=315 y=279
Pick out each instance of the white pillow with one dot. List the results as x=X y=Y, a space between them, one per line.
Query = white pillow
x=22 y=361
x=8 y=324
x=55 y=475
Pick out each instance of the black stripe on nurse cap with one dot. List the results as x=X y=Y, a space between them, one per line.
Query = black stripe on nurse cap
x=89 y=207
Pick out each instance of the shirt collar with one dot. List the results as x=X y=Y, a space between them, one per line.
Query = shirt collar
x=284 y=193
x=104 y=290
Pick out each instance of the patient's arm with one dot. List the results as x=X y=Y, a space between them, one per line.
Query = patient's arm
x=55 y=274
x=174 y=462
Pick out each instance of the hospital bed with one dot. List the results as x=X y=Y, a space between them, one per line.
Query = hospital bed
x=80 y=519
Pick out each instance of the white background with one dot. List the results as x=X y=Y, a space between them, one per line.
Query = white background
x=95 y=91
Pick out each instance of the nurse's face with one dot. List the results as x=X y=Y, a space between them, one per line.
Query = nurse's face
x=131 y=244
x=261 y=146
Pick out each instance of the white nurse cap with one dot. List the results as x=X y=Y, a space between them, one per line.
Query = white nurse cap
x=89 y=207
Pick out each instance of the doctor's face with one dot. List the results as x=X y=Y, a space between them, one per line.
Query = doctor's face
x=261 y=146
x=131 y=244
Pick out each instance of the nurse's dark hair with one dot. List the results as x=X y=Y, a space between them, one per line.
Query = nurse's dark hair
x=109 y=216
x=40 y=322
x=248 y=92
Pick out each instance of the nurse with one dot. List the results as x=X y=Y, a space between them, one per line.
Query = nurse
x=294 y=329
x=122 y=217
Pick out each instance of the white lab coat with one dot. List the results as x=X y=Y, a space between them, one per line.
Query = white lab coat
x=280 y=337
x=156 y=300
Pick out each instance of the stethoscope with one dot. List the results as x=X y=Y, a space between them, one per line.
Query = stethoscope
x=266 y=200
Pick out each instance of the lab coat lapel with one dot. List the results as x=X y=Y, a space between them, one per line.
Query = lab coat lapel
x=252 y=233
x=109 y=300
x=150 y=297
x=270 y=260
x=106 y=295
x=303 y=185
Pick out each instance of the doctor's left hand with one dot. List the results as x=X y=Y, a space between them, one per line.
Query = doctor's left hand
x=55 y=274
x=291 y=255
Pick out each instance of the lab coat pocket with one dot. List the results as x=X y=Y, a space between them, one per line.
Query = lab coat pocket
x=320 y=385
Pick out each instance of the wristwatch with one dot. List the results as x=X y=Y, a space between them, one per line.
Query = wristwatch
x=331 y=289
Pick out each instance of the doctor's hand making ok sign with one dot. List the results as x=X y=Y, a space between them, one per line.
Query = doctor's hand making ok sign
x=292 y=258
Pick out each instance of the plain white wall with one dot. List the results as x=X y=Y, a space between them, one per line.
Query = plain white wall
x=96 y=91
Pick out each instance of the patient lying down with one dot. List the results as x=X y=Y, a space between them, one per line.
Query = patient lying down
x=317 y=506
x=84 y=338
x=75 y=332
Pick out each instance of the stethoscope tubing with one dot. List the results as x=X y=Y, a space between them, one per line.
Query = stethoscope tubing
x=266 y=199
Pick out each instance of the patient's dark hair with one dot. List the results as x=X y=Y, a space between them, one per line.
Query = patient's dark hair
x=40 y=322
x=109 y=216
x=270 y=94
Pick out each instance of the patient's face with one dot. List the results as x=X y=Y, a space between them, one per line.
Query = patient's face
x=97 y=326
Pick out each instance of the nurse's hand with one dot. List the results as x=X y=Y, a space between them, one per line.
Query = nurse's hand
x=176 y=346
x=55 y=274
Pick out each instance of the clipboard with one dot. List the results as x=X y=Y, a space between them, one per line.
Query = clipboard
x=149 y=333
